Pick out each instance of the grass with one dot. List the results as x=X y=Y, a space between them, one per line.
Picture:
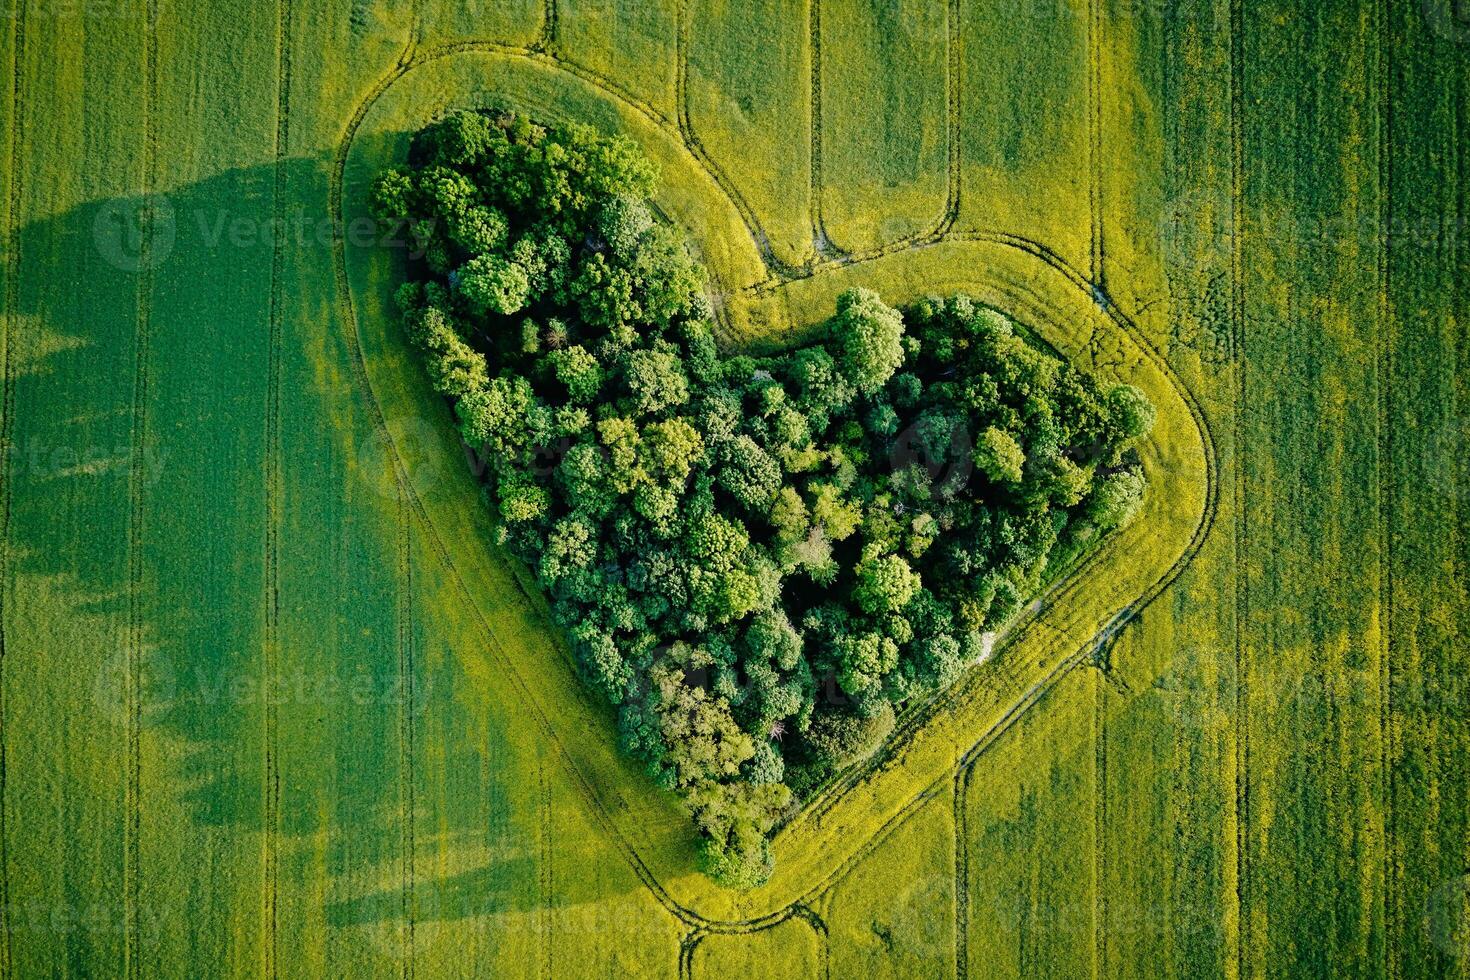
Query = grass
x=1260 y=772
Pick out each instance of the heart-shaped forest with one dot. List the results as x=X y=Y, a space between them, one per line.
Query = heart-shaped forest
x=758 y=560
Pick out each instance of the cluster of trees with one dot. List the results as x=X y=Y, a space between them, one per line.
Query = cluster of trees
x=757 y=559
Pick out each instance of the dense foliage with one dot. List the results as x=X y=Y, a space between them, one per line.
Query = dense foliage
x=756 y=559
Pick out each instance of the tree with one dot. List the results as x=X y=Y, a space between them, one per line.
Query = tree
x=656 y=380
x=670 y=450
x=735 y=818
x=788 y=516
x=999 y=456
x=622 y=224
x=501 y=417
x=393 y=197
x=749 y=473
x=493 y=284
x=669 y=278
x=585 y=482
x=623 y=442
x=823 y=387
x=838 y=518
x=771 y=636
x=522 y=500
x=606 y=294
x=731 y=541
x=884 y=584
x=864 y=659
x=765 y=766
x=478 y=229
x=1116 y=499
x=460 y=139
x=869 y=334
x=578 y=371
x=598 y=655
x=447 y=192
x=570 y=546
x=839 y=738
x=454 y=367
x=1130 y=411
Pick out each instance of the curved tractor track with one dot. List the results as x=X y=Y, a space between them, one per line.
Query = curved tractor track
x=698 y=924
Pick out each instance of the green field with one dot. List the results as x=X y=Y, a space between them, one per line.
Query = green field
x=266 y=698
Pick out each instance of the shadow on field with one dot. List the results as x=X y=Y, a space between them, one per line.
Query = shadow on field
x=272 y=662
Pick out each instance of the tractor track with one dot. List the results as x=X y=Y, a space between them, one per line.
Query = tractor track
x=546 y=41
x=545 y=876
x=1241 y=706
x=7 y=431
x=823 y=244
x=137 y=513
x=684 y=132
x=1384 y=371
x=829 y=253
x=959 y=793
x=1099 y=283
x=274 y=505
x=404 y=692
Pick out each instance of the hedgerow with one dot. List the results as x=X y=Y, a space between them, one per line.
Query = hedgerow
x=757 y=560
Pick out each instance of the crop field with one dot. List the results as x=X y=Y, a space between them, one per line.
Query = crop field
x=273 y=703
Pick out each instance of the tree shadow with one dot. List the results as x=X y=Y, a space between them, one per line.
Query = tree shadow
x=233 y=276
